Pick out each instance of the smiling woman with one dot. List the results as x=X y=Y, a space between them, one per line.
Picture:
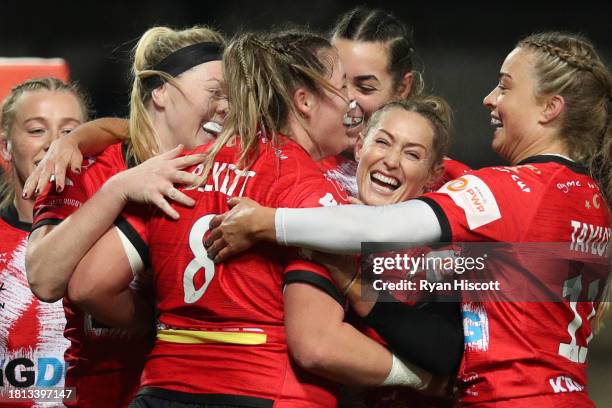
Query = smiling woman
x=552 y=120
x=401 y=155
x=33 y=114
x=176 y=78
x=377 y=51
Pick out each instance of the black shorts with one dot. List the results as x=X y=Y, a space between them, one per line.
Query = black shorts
x=160 y=398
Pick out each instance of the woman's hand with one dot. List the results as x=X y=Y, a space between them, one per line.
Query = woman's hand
x=153 y=180
x=342 y=268
x=63 y=153
x=238 y=229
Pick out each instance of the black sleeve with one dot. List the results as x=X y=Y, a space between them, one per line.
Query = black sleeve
x=429 y=335
x=317 y=281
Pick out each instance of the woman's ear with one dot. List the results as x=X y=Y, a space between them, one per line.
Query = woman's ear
x=435 y=176
x=553 y=108
x=405 y=86
x=159 y=96
x=5 y=150
x=304 y=102
x=358 y=147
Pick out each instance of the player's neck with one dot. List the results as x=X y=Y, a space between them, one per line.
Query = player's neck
x=296 y=132
x=556 y=147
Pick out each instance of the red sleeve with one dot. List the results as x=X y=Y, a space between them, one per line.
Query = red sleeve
x=52 y=207
x=318 y=192
x=315 y=192
x=452 y=169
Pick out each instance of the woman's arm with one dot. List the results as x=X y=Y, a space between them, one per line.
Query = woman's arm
x=89 y=139
x=339 y=229
x=54 y=252
x=322 y=343
x=427 y=334
x=105 y=286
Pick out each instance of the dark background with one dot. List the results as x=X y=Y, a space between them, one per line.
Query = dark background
x=461 y=46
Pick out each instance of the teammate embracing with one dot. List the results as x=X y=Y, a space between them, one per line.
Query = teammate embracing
x=551 y=116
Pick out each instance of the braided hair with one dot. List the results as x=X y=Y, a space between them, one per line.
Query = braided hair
x=568 y=65
x=376 y=25
x=262 y=71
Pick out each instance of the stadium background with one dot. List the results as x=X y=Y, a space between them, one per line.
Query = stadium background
x=461 y=45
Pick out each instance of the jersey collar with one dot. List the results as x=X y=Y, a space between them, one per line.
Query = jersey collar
x=553 y=158
x=10 y=216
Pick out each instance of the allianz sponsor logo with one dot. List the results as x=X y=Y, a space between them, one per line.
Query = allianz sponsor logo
x=589 y=238
x=564 y=383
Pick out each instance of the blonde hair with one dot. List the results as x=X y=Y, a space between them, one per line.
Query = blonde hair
x=604 y=305
x=261 y=72
x=568 y=65
x=431 y=107
x=9 y=111
x=155 y=45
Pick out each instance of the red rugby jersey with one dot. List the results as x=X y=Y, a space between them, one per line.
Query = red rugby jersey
x=97 y=354
x=32 y=342
x=452 y=170
x=238 y=304
x=527 y=353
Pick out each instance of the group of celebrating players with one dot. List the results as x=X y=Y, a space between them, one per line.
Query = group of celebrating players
x=203 y=254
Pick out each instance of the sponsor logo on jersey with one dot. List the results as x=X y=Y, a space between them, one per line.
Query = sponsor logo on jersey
x=475 y=327
x=475 y=198
x=458 y=184
x=564 y=383
x=589 y=238
x=565 y=187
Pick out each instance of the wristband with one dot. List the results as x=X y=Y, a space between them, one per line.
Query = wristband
x=407 y=375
